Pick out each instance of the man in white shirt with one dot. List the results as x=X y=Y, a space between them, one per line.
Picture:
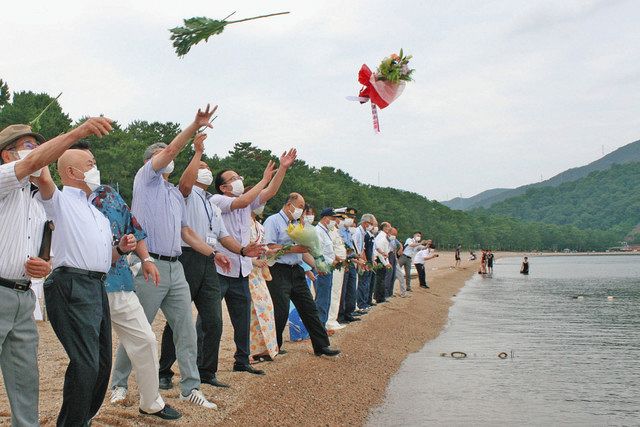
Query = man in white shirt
x=381 y=251
x=205 y=219
x=338 y=274
x=21 y=230
x=406 y=259
x=424 y=254
x=236 y=206
x=77 y=302
x=324 y=281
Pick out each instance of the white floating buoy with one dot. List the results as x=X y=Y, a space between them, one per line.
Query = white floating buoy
x=580 y=297
x=610 y=298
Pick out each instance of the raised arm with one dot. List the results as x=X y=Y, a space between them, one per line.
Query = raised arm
x=49 y=152
x=190 y=174
x=286 y=160
x=162 y=159
x=247 y=198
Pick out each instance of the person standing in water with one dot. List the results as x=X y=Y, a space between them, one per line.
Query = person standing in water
x=524 y=268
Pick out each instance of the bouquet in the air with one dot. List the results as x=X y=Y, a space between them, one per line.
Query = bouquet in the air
x=305 y=235
x=386 y=84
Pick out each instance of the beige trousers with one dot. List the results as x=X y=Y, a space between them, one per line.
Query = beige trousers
x=130 y=324
x=336 y=292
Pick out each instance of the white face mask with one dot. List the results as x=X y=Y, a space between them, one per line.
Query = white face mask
x=24 y=153
x=375 y=230
x=348 y=222
x=297 y=213
x=169 y=168
x=308 y=219
x=331 y=225
x=258 y=211
x=369 y=227
x=205 y=177
x=392 y=238
x=237 y=187
x=416 y=239
x=92 y=178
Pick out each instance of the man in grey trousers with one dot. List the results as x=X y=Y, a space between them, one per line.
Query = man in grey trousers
x=160 y=209
x=23 y=160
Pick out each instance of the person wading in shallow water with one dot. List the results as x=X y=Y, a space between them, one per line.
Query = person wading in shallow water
x=524 y=268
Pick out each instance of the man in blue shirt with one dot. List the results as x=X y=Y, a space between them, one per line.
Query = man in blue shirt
x=349 y=287
x=289 y=283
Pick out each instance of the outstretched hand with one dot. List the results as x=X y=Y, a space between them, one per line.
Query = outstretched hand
x=287 y=158
x=98 y=126
x=203 y=117
x=254 y=250
x=269 y=171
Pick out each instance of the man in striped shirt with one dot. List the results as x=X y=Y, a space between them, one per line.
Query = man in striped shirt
x=23 y=218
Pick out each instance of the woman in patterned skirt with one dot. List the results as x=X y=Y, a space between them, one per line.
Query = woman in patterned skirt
x=264 y=343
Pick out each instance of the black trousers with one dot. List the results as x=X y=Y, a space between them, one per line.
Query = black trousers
x=202 y=277
x=349 y=292
x=380 y=289
x=422 y=278
x=78 y=310
x=289 y=284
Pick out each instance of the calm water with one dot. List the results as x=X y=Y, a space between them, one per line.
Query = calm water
x=575 y=360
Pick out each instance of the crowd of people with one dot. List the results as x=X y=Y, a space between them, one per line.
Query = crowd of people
x=110 y=268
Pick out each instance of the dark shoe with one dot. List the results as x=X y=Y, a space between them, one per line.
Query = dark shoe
x=409 y=290
x=327 y=351
x=166 y=413
x=282 y=351
x=351 y=319
x=247 y=368
x=165 y=383
x=213 y=381
x=372 y=304
x=358 y=313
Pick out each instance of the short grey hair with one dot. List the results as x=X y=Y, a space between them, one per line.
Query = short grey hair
x=150 y=151
x=368 y=218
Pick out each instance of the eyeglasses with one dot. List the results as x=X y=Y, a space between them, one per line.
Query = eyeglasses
x=235 y=178
x=28 y=145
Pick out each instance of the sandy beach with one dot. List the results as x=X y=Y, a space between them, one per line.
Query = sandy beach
x=299 y=388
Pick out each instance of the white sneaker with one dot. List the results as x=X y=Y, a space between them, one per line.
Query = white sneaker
x=196 y=397
x=118 y=394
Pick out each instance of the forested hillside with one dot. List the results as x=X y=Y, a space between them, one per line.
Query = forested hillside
x=606 y=200
x=119 y=156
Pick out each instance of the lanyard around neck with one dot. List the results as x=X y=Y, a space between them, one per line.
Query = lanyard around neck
x=209 y=215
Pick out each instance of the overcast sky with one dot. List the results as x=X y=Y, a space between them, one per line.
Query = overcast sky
x=505 y=91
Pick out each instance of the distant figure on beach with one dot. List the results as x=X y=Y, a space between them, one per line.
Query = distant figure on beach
x=483 y=262
x=524 y=268
x=472 y=256
x=457 y=256
x=489 y=261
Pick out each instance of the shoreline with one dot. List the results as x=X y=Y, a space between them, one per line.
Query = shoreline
x=299 y=388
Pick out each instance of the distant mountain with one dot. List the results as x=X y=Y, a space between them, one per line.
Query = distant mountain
x=626 y=154
x=603 y=200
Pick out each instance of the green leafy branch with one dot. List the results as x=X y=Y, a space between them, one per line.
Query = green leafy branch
x=201 y=28
x=35 y=123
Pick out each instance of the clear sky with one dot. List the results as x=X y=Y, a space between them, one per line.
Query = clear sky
x=505 y=91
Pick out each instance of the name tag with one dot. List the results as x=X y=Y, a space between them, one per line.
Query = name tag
x=211 y=240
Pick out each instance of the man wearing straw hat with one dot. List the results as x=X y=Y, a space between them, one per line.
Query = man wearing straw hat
x=23 y=161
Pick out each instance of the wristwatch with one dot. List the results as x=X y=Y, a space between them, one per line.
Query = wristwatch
x=212 y=256
x=148 y=259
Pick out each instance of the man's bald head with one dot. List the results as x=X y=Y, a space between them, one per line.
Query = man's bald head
x=72 y=165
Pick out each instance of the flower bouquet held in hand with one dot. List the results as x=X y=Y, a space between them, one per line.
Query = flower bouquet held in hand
x=385 y=85
x=305 y=235
x=201 y=28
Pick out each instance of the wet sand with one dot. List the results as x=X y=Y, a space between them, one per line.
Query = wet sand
x=299 y=388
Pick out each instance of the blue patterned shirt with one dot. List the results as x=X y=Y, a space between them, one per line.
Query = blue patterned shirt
x=111 y=205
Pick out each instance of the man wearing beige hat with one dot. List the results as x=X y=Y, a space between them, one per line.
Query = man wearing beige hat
x=21 y=230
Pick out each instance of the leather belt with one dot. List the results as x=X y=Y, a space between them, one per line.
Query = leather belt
x=15 y=285
x=163 y=257
x=93 y=274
